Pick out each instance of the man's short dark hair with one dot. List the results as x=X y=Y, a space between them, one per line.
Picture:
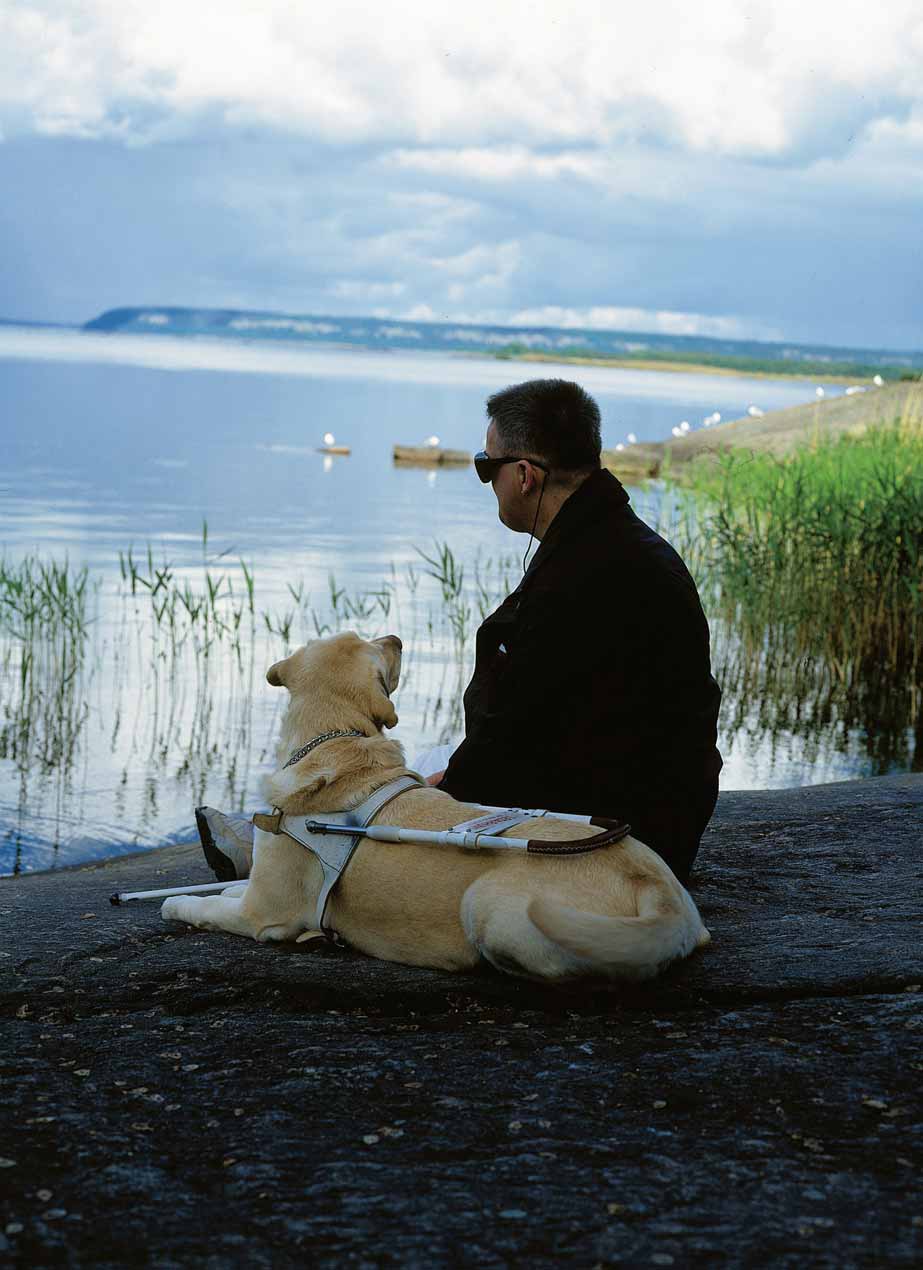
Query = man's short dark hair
x=552 y=419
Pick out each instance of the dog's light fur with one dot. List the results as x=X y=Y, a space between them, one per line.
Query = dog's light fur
x=618 y=912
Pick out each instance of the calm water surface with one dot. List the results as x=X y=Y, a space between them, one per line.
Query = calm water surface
x=112 y=441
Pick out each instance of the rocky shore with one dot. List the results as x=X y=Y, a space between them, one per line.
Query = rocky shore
x=175 y=1098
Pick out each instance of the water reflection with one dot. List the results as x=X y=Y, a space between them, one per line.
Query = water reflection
x=108 y=747
x=799 y=713
x=161 y=704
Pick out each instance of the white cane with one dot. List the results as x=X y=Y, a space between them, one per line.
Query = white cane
x=470 y=839
x=473 y=839
x=206 y=888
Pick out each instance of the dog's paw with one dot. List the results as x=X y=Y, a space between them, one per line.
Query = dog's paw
x=171 y=910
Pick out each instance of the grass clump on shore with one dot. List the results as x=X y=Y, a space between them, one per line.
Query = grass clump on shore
x=823 y=547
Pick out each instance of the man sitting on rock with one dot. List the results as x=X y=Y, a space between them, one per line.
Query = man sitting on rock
x=592 y=691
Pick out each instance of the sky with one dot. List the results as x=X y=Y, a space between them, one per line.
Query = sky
x=742 y=168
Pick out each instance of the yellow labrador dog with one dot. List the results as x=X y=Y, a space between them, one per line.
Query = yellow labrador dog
x=617 y=912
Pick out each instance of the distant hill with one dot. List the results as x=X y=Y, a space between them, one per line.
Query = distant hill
x=540 y=342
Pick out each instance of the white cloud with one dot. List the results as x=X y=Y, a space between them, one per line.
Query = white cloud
x=362 y=291
x=484 y=263
x=721 y=169
x=497 y=163
x=889 y=132
x=614 y=318
x=604 y=318
x=774 y=78
x=419 y=313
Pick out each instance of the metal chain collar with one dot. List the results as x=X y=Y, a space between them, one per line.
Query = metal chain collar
x=318 y=740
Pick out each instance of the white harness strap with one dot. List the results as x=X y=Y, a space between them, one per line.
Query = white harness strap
x=334 y=851
x=496 y=820
x=500 y=818
x=334 y=848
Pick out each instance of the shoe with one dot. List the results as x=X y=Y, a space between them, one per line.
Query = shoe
x=227 y=842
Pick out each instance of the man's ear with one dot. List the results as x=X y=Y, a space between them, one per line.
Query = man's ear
x=528 y=481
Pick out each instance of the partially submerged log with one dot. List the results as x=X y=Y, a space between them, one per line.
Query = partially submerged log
x=635 y=462
x=430 y=456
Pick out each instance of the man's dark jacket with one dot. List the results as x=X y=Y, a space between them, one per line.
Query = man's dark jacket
x=592 y=691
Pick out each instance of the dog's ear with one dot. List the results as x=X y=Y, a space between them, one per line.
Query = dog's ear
x=275 y=675
x=381 y=707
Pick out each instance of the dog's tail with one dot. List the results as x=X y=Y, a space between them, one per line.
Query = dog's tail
x=668 y=927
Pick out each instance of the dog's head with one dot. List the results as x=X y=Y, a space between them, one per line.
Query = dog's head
x=340 y=683
x=347 y=674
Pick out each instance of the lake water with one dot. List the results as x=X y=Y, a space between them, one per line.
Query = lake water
x=110 y=441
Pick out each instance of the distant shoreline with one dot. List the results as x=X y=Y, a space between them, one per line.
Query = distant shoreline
x=692 y=368
x=718 y=364
x=651 y=350
x=778 y=432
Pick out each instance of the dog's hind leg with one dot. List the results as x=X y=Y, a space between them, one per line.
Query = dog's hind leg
x=497 y=925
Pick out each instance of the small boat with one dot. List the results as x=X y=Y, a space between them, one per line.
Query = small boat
x=330 y=446
x=430 y=456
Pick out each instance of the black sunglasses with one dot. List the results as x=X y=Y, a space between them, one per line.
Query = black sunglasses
x=487 y=468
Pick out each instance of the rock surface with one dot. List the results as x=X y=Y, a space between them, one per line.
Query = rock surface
x=177 y=1098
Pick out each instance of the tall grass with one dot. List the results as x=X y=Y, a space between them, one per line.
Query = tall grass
x=821 y=552
x=181 y=611
x=45 y=595
x=44 y=622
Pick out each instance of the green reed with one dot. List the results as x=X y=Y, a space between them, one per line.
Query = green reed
x=44 y=622
x=42 y=594
x=181 y=611
x=823 y=549
x=491 y=582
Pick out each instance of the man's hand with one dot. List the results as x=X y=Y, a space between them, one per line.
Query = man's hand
x=435 y=778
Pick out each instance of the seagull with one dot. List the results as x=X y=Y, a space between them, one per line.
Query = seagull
x=818 y=392
x=878 y=381
x=329 y=438
x=432 y=441
x=620 y=446
x=755 y=412
x=677 y=432
x=684 y=426
x=632 y=438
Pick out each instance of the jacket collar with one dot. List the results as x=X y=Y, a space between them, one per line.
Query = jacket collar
x=599 y=493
